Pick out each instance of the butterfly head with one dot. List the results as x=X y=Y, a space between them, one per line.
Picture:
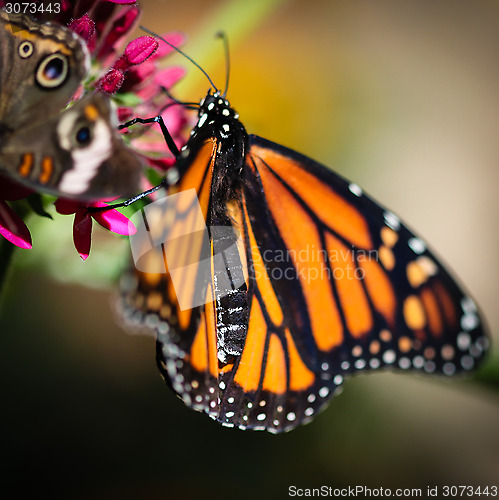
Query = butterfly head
x=217 y=115
x=218 y=124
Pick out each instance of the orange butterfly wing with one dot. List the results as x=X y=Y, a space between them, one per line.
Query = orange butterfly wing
x=337 y=284
x=333 y=282
x=389 y=299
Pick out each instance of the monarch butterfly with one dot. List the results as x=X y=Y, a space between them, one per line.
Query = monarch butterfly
x=294 y=280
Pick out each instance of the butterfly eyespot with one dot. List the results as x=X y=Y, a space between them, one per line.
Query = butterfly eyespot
x=83 y=136
x=26 y=49
x=53 y=71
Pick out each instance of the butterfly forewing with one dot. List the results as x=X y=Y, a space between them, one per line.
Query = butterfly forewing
x=27 y=46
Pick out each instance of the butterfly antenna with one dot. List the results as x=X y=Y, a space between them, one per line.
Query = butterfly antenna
x=223 y=36
x=143 y=28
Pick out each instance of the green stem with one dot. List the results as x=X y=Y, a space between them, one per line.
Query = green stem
x=6 y=253
x=488 y=375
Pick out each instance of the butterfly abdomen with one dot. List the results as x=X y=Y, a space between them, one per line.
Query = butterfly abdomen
x=230 y=293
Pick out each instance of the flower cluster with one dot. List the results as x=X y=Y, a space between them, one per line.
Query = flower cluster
x=131 y=76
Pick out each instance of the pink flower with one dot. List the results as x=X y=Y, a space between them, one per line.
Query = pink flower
x=82 y=227
x=12 y=227
x=131 y=75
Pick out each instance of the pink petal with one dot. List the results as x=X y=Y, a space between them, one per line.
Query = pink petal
x=162 y=164
x=13 y=228
x=11 y=190
x=169 y=76
x=148 y=92
x=139 y=73
x=82 y=233
x=103 y=14
x=66 y=207
x=66 y=4
x=115 y=222
x=138 y=50
x=175 y=120
x=125 y=114
x=119 y=29
x=175 y=38
x=136 y=76
x=122 y=1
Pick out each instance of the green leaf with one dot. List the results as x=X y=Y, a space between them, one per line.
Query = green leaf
x=36 y=203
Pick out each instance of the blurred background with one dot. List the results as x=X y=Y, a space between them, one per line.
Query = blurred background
x=401 y=98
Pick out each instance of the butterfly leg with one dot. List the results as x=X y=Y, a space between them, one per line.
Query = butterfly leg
x=155 y=119
x=164 y=183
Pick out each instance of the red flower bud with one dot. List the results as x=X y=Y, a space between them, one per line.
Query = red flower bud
x=111 y=81
x=84 y=26
x=138 y=50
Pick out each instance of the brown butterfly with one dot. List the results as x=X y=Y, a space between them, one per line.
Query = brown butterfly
x=73 y=152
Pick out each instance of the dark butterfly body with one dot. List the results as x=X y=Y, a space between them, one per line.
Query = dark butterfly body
x=74 y=152
x=309 y=281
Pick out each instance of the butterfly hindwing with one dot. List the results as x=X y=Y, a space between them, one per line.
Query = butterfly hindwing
x=76 y=154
